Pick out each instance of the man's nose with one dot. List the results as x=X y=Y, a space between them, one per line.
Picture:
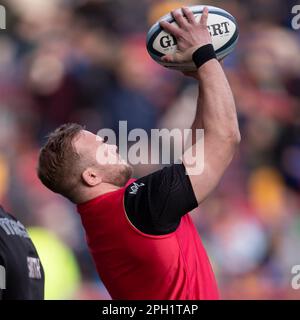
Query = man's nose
x=113 y=147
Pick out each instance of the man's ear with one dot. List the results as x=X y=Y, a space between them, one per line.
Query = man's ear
x=91 y=177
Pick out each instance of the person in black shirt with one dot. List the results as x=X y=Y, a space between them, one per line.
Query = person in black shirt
x=21 y=272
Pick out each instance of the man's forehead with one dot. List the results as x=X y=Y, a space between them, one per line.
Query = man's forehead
x=84 y=140
x=88 y=134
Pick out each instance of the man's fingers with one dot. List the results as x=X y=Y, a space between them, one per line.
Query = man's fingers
x=189 y=15
x=204 y=17
x=180 y=19
x=175 y=31
x=175 y=57
x=168 y=58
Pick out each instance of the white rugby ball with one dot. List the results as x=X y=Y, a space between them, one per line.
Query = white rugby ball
x=221 y=25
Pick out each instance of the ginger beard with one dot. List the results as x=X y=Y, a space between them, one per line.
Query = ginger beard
x=117 y=174
x=114 y=169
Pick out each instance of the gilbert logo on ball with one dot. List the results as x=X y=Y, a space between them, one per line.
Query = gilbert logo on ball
x=222 y=27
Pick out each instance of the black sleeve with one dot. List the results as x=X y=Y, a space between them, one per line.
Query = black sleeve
x=155 y=203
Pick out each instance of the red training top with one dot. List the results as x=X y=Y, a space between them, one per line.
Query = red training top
x=134 y=265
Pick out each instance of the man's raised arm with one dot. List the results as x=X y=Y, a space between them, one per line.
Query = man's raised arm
x=216 y=112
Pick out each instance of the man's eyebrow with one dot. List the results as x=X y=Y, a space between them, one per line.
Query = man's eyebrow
x=99 y=138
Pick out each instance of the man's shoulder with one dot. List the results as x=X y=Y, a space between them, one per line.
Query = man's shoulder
x=9 y=226
x=133 y=185
x=131 y=180
x=4 y=214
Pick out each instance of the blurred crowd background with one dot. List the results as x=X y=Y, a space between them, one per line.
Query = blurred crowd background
x=85 y=61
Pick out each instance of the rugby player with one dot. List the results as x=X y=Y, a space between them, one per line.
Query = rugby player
x=139 y=232
x=21 y=272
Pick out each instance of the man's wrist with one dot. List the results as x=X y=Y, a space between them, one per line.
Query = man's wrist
x=203 y=54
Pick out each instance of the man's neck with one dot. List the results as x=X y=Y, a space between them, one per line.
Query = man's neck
x=92 y=193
